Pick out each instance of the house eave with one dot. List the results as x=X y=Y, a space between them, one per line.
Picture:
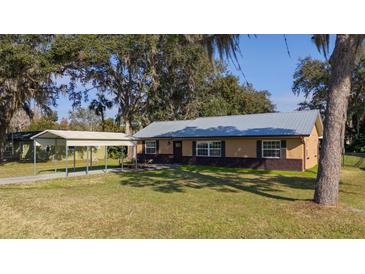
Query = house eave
x=217 y=136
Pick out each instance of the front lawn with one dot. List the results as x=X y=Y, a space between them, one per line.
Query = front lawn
x=13 y=169
x=186 y=202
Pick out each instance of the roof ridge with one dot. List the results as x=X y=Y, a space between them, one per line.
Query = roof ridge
x=166 y=121
x=262 y=113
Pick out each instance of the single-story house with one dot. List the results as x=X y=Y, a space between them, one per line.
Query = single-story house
x=284 y=141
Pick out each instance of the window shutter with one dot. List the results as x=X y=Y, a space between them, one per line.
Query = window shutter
x=259 y=149
x=143 y=147
x=194 y=148
x=283 y=149
x=157 y=146
x=283 y=143
x=223 y=149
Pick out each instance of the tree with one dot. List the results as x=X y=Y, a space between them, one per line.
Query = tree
x=226 y=96
x=227 y=45
x=63 y=125
x=25 y=75
x=111 y=126
x=20 y=121
x=42 y=121
x=183 y=72
x=99 y=106
x=311 y=78
x=342 y=62
x=84 y=119
x=148 y=76
x=113 y=64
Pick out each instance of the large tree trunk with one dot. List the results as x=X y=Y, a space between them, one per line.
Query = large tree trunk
x=2 y=141
x=127 y=127
x=102 y=121
x=342 y=63
x=128 y=131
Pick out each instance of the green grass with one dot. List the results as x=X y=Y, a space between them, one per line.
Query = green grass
x=186 y=202
x=12 y=169
x=355 y=161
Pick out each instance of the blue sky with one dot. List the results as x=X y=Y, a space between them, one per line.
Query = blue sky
x=265 y=63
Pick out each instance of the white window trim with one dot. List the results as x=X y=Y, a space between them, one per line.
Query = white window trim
x=209 y=143
x=145 y=146
x=262 y=149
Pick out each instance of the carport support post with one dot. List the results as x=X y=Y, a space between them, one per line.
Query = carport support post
x=106 y=159
x=122 y=166
x=91 y=157
x=66 y=160
x=74 y=151
x=87 y=160
x=34 y=157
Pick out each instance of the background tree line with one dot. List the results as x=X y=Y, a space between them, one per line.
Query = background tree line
x=144 y=77
x=311 y=78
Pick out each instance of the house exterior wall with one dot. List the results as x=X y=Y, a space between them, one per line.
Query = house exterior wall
x=311 y=149
x=294 y=148
x=241 y=147
x=165 y=147
x=139 y=147
x=187 y=147
x=246 y=147
x=239 y=152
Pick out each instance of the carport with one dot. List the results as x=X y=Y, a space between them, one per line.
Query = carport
x=68 y=138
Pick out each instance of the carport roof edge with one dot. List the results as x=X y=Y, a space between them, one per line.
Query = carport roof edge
x=83 y=135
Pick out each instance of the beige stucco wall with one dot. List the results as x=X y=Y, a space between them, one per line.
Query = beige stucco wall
x=241 y=147
x=165 y=147
x=235 y=147
x=294 y=148
x=187 y=148
x=139 y=147
x=244 y=147
x=311 y=151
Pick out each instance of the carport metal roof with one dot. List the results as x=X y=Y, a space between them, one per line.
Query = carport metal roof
x=82 y=138
x=86 y=139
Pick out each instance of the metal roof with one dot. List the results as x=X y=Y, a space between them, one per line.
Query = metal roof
x=82 y=138
x=21 y=135
x=296 y=123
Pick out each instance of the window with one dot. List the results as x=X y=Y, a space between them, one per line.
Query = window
x=150 y=147
x=202 y=149
x=208 y=149
x=271 y=149
x=9 y=148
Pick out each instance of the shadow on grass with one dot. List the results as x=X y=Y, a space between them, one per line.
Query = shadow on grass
x=222 y=180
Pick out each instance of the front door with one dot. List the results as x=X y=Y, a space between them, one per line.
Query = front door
x=177 y=151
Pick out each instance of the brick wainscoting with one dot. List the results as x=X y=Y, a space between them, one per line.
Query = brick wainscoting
x=156 y=158
x=279 y=164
